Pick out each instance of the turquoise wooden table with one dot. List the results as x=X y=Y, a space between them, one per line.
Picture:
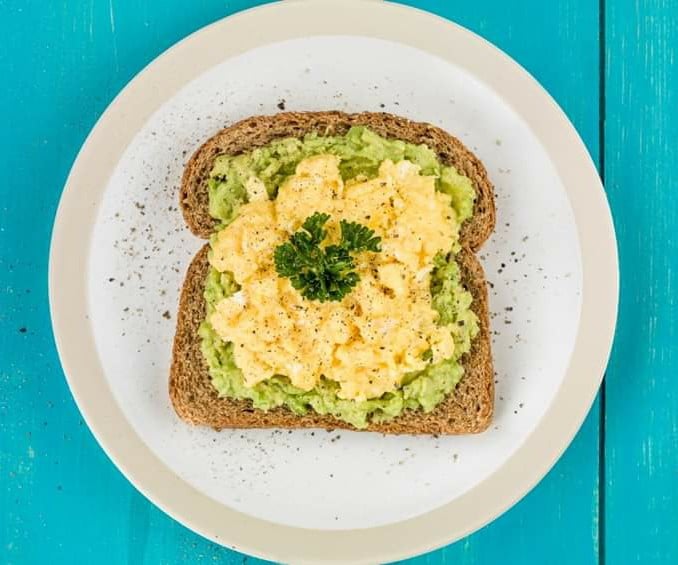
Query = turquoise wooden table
x=612 y=65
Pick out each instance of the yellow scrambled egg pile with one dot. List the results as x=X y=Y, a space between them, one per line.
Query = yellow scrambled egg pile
x=380 y=330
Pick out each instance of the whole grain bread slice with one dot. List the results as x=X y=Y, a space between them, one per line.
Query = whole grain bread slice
x=467 y=410
x=257 y=131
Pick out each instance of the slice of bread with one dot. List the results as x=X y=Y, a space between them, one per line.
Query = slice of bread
x=467 y=410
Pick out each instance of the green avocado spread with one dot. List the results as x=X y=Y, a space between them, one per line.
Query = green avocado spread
x=361 y=152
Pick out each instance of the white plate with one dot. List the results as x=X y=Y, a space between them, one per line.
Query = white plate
x=318 y=496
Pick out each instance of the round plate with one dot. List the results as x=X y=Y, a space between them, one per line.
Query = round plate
x=311 y=496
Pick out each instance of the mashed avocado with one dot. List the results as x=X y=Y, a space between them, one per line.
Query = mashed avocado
x=361 y=152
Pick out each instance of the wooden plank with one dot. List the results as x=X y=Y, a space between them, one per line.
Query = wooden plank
x=641 y=132
x=61 y=499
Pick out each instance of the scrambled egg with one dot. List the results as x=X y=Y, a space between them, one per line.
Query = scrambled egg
x=381 y=330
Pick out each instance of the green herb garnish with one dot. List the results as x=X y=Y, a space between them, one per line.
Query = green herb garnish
x=324 y=273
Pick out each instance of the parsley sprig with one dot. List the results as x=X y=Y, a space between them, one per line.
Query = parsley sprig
x=324 y=273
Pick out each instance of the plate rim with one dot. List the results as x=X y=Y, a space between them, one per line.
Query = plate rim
x=160 y=80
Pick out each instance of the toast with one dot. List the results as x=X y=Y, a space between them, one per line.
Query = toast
x=468 y=409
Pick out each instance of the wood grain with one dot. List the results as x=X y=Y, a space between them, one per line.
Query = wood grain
x=641 y=133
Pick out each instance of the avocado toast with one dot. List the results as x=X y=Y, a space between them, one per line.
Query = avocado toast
x=467 y=408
